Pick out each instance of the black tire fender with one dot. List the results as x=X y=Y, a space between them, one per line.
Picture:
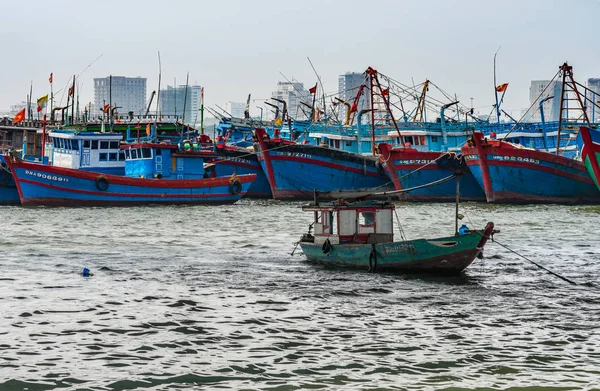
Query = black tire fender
x=102 y=183
x=326 y=246
x=235 y=187
x=373 y=260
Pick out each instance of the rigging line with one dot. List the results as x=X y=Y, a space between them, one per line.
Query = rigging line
x=534 y=102
x=536 y=264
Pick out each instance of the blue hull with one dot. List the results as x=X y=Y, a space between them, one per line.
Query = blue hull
x=240 y=162
x=516 y=175
x=8 y=189
x=295 y=171
x=55 y=186
x=409 y=168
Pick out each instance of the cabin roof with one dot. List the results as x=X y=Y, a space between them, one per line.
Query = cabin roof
x=334 y=205
x=150 y=145
x=68 y=133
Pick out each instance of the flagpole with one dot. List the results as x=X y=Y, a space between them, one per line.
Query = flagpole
x=495 y=85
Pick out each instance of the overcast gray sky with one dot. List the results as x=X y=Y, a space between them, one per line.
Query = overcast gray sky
x=238 y=47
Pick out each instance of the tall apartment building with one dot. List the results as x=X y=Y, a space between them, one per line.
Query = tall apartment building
x=127 y=93
x=551 y=104
x=293 y=93
x=593 y=112
x=236 y=109
x=172 y=100
x=348 y=85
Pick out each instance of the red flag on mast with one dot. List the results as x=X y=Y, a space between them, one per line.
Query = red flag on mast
x=20 y=117
x=502 y=87
x=50 y=78
x=313 y=90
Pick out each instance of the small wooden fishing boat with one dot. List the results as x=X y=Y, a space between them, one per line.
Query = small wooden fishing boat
x=360 y=235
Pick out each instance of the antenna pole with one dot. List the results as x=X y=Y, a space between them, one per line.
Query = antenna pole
x=322 y=89
x=495 y=85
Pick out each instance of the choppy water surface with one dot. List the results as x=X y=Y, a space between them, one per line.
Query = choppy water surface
x=209 y=297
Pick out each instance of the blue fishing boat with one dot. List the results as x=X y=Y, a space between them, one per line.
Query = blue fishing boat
x=511 y=173
x=295 y=171
x=70 y=148
x=155 y=173
x=360 y=235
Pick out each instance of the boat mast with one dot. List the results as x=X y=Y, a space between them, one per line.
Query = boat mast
x=569 y=88
x=381 y=106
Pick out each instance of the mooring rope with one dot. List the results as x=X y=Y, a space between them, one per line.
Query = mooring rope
x=537 y=264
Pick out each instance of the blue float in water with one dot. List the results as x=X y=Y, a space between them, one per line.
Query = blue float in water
x=86 y=272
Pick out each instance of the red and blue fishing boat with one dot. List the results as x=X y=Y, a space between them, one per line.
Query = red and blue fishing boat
x=360 y=235
x=510 y=173
x=155 y=173
x=409 y=168
x=588 y=145
x=295 y=171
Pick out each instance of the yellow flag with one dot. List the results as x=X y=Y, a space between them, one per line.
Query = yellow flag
x=278 y=121
x=42 y=100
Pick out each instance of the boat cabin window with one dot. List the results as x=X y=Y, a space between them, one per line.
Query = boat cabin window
x=325 y=223
x=86 y=143
x=103 y=156
x=104 y=144
x=112 y=156
x=146 y=153
x=94 y=144
x=348 y=143
x=121 y=156
x=134 y=154
x=366 y=218
x=434 y=139
x=114 y=145
x=158 y=151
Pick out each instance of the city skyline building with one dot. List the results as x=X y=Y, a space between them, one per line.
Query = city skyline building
x=594 y=95
x=293 y=93
x=549 y=91
x=127 y=94
x=348 y=85
x=172 y=100
x=236 y=109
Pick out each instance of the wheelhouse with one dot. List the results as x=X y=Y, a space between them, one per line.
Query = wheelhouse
x=165 y=161
x=358 y=222
x=95 y=151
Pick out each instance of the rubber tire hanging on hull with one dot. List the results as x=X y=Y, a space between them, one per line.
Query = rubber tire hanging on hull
x=102 y=183
x=235 y=187
x=326 y=246
x=373 y=260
